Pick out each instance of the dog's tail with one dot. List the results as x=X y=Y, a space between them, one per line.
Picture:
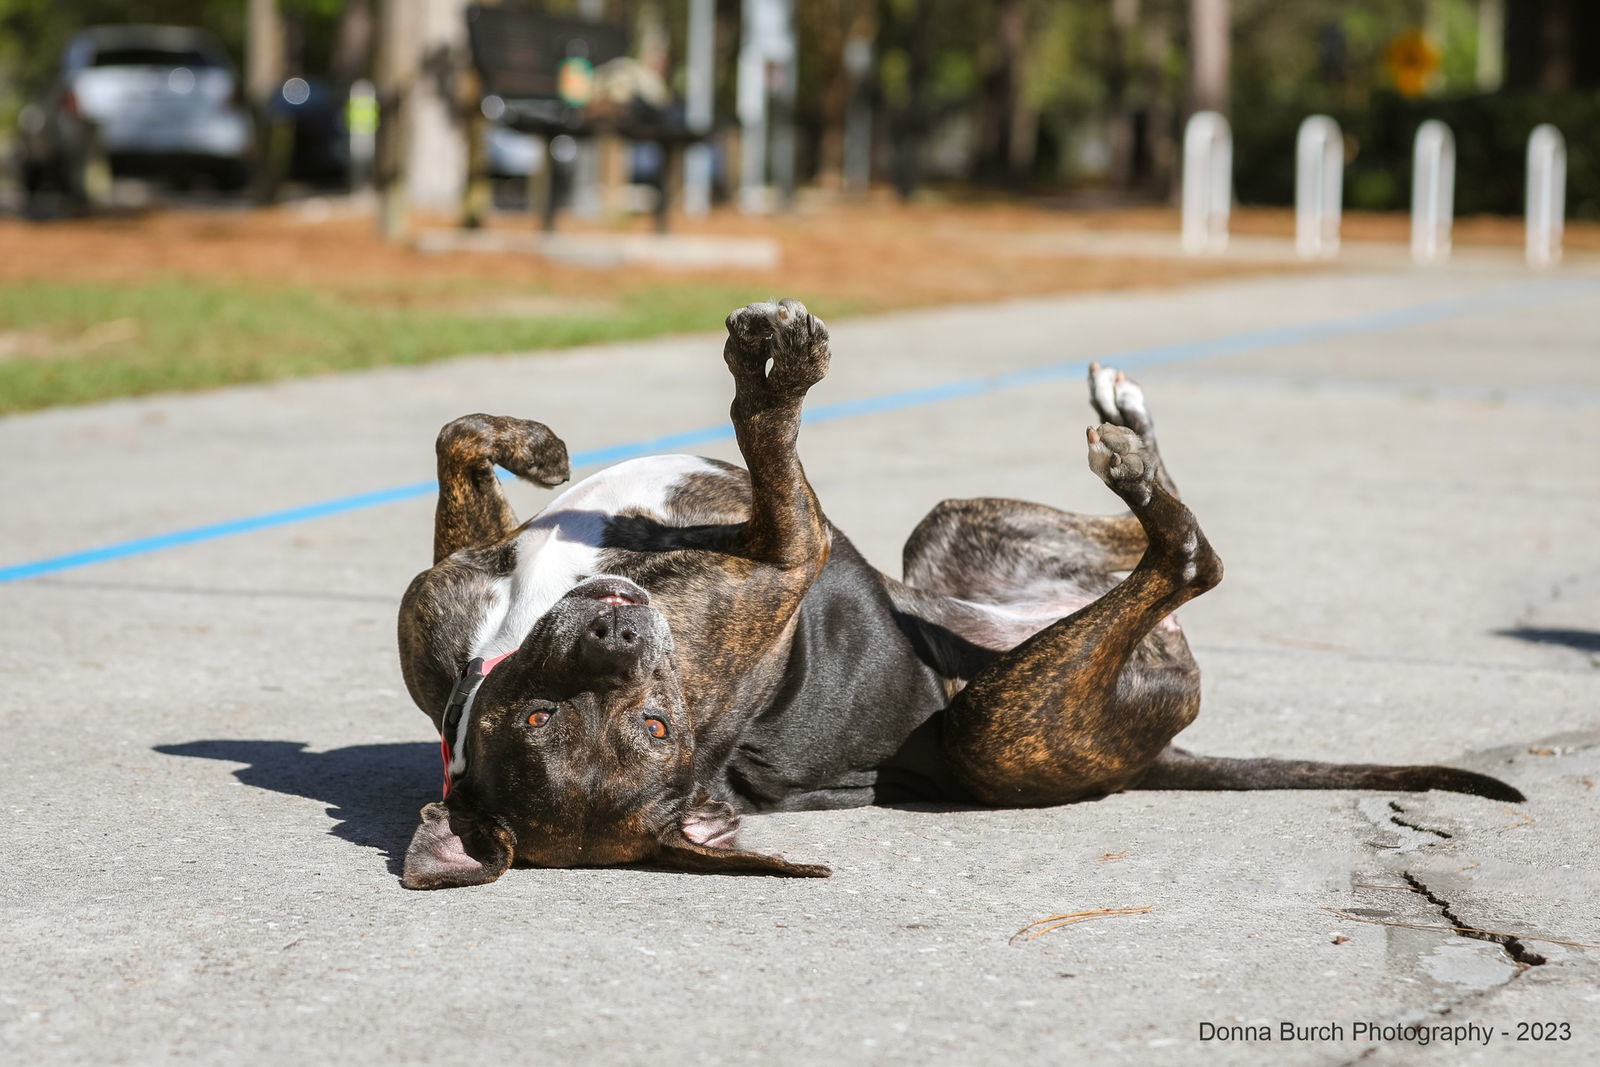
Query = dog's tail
x=1178 y=769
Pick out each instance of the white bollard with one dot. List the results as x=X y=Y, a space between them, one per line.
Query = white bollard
x=1318 y=187
x=1433 y=191
x=1207 y=183
x=1547 y=195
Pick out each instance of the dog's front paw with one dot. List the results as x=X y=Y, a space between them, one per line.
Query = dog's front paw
x=530 y=450
x=1117 y=399
x=785 y=335
x=1123 y=462
x=525 y=448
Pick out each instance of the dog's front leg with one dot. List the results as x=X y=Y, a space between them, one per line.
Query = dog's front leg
x=776 y=353
x=473 y=509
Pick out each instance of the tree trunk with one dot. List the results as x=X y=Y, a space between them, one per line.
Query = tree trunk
x=1160 y=128
x=1000 y=94
x=437 y=167
x=397 y=75
x=1124 y=24
x=855 y=21
x=1209 y=31
x=910 y=124
x=352 y=49
x=1555 y=34
x=263 y=78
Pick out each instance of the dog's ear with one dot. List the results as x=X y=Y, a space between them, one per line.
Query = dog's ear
x=453 y=848
x=704 y=840
x=708 y=822
x=685 y=855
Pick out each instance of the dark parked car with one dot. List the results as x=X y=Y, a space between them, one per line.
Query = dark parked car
x=320 y=143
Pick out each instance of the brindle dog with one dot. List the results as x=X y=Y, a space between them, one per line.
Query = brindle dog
x=674 y=641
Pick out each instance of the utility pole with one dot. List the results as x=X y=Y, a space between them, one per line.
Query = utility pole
x=1210 y=24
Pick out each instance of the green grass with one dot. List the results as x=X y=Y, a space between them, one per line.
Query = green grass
x=64 y=343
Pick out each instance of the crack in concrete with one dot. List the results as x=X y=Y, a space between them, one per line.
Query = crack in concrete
x=1385 y=813
x=1395 y=807
x=1511 y=946
x=1519 y=953
x=1410 y=836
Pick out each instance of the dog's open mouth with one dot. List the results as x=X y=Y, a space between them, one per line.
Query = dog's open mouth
x=612 y=589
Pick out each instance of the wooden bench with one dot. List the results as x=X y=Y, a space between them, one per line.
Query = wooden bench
x=519 y=54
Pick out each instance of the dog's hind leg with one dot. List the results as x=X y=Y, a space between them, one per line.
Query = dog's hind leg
x=473 y=509
x=1119 y=400
x=997 y=551
x=993 y=550
x=1085 y=705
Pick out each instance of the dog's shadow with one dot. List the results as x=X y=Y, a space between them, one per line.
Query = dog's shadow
x=373 y=791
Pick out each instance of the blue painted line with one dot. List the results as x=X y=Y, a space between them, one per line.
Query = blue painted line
x=194 y=534
x=1525 y=295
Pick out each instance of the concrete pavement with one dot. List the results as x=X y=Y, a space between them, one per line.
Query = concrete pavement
x=214 y=766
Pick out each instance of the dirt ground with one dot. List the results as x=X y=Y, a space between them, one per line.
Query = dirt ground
x=877 y=255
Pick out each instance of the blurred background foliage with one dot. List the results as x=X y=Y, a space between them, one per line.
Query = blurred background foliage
x=1051 y=96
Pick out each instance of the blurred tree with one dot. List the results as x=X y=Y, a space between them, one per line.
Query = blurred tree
x=1016 y=91
x=1210 y=49
x=352 y=48
x=824 y=29
x=995 y=160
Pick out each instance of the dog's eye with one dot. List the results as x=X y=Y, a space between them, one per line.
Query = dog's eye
x=656 y=728
x=538 y=718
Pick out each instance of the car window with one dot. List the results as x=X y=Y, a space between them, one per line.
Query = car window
x=151 y=57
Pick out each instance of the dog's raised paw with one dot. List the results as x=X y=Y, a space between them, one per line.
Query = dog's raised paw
x=525 y=448
x=1120 y=458
x=1119 y=400
x=780 y=348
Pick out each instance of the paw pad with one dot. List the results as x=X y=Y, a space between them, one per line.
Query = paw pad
x=1121 y=460
x=793 y=340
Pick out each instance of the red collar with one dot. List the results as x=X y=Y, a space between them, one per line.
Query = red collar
x=458 y=714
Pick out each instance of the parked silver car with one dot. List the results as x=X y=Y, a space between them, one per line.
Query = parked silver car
x=162 y=101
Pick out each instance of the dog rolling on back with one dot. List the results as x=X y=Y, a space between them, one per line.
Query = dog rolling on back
x=676 y=641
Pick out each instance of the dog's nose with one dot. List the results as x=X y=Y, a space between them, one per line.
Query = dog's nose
x=613 y=631
x=611 y=641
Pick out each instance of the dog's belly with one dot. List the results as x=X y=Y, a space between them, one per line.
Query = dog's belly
x=567 y=541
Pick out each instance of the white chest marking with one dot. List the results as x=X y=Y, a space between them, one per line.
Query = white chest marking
x=561 y=546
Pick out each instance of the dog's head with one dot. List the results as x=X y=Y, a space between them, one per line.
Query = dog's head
x=579 y=752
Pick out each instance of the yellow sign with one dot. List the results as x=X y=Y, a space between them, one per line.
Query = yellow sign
x=1412 y=60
